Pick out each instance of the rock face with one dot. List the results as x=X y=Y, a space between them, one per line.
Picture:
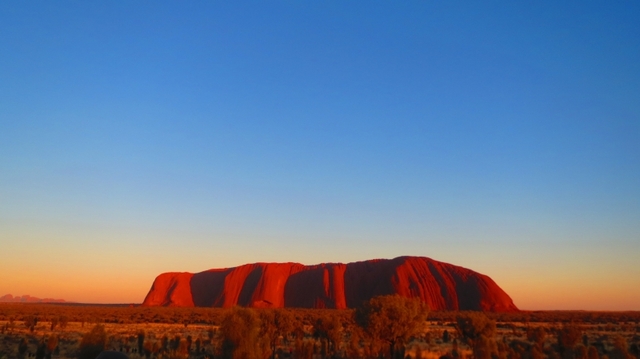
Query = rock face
x=441 y=285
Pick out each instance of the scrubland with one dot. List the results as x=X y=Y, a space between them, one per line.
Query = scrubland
x=77 y=331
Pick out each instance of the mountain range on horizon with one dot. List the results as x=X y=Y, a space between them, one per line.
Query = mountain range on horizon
x=8 y=298
x=441 y=285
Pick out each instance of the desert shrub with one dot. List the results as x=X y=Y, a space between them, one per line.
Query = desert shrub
x=183 y=349
x=52 y=345
x=303 y=349
x=417 y=351
x=64 y=320
x=93 y=343
x=581 y=352
x=455 y=353
x=175 y=343
x=392 y=319
x=620 y=349
x=353 y=346
x=240 y=334
x=22 y=348
x=592 y=353
x=568 y=336
x=140 y=337
x=164 y=343
x=536 y=352
x=54 y=322
x=41 y=351
x=329 y=330
x=30 y=322
x=274 y=323
x=635 y=350
x=479 y=332
x=537 y=335
x=445 y=336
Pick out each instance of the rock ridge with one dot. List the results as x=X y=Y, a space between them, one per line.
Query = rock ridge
x=442 y=286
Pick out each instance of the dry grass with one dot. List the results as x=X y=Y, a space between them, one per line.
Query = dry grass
x=123 y=324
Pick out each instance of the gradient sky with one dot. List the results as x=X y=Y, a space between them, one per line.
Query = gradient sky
x=145 y=137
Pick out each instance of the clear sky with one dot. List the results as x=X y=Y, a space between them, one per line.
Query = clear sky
x=150 y=136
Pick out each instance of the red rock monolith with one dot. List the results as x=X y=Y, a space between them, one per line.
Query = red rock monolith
x=442 y=286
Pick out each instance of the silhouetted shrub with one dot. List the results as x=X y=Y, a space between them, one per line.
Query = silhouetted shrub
x=52 y=345
x=479 y=332
x=537 y=335
x=64 y=320
x=22 y=348
x=240 y=333
x=41 y=351
x=92 y=343
x=592 y=353
x=620 y=349
x=30 y=322
x=581 y=352
x=568 y=336
x=140 y=338
x=445 y=336
x=392 y=319
x=536 y=352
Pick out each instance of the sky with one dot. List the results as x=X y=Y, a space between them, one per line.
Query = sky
x=145 y=137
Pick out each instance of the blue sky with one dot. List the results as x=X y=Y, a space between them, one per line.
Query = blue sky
x=180 y=137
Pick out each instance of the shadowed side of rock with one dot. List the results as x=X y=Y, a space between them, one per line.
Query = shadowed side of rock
x=441 y=285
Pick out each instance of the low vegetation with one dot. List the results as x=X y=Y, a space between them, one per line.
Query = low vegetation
x=387 y=327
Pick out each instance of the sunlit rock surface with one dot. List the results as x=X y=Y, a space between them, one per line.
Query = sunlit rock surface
x=441 y=285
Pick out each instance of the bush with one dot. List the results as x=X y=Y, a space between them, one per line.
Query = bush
x=392 y=319
x=22 y=348
x=93 y=343
x=479 y=332
x=240 y=334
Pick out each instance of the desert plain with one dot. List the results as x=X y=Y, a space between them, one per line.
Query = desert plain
x=57 y=331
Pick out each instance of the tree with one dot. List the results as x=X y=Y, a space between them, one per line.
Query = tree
x=30 y=322
x=240 y=331
x=537 y=336
x=334 y=329
x=568 y=337
x=329 y=329
x=479 y=332
x=355 y=336
x=93 y=343
x=275 y=323
x=392 y=319
x=620 y=349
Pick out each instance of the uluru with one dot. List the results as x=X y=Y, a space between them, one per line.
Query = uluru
x=442 y=286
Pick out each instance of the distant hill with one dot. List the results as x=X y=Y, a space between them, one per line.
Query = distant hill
x=8 y=298
x=441 y=285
